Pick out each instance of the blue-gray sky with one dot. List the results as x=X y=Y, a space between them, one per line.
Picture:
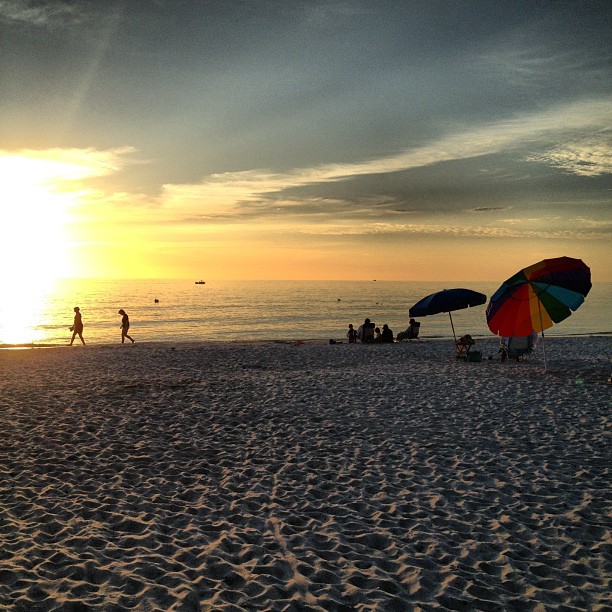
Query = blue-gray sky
x=306 y=139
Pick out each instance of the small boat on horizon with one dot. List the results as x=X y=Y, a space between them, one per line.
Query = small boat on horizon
x=200 y=282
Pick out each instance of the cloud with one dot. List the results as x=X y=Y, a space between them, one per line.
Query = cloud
x=50 y=166
x=253 y=194
x=40 y=13
x=220 y=193
x=543 y=53
x=334 y=217
x=489 y=208
x=588 y=157
x=462 y=231
x=328 y=13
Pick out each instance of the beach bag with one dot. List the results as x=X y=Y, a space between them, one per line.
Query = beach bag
x=474 y=356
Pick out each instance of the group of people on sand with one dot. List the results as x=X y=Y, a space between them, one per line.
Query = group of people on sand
x=368 y=333
x=77 y=326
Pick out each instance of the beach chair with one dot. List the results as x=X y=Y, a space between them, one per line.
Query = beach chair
x=463 y=346
x=412 y=333
x=517 y=348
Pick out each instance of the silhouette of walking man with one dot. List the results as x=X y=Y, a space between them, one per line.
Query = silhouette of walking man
x=77 y=326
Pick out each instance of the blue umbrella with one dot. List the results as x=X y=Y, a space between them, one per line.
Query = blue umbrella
x=447 y=300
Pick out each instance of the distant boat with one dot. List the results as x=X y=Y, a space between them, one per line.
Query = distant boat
x=200 y=282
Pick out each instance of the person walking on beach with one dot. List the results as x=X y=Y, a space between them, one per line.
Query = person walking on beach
x=125 y=326
x=77 y=326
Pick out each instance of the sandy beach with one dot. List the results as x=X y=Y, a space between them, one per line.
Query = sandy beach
x=276 y=476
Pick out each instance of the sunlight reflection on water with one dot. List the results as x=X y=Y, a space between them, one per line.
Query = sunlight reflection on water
x=247 y=310
x=22 y=309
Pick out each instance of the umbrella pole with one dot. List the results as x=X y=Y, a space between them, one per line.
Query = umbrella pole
x=542 y=328
x=451 y=320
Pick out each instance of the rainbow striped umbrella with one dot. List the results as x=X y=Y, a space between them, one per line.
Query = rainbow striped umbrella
x=538 y=297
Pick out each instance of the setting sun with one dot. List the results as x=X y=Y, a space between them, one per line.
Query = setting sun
x=33 y=219
x=40 y=192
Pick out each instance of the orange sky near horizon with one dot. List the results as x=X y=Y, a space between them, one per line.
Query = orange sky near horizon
x=64 y=223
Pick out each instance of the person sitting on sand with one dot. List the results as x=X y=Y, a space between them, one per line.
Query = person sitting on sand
x=365 y=332
x=377 y=334
x=387 y=334
x=351 y=334
x=411 y=333
x=125 y=326
x=77 y=326
x=413 y=329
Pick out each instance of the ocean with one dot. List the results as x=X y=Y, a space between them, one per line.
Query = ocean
x=250 y=310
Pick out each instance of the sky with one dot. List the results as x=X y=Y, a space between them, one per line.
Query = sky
x=304 y=139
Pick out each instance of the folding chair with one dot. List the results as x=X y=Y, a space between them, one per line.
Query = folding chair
x=517 y=348
x=463 y=347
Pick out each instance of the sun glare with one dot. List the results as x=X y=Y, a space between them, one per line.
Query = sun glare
x=34 y=203
x=20 y=314
x=33 y=217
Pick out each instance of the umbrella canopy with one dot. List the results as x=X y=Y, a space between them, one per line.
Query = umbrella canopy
x=447 y=300
x=539 y=296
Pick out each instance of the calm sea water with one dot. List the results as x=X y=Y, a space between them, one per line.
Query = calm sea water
x=250 y=310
